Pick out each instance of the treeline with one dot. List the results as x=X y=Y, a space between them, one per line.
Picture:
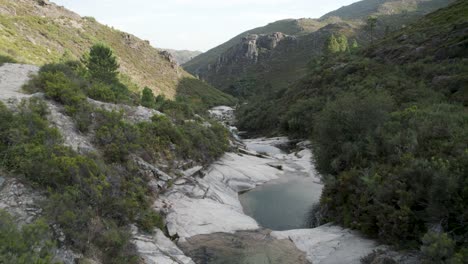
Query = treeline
x=390 y=135
x=93 y=198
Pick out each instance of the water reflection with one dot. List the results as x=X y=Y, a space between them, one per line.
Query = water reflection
x=283 y=204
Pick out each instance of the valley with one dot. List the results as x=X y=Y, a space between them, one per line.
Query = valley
x=339 y=139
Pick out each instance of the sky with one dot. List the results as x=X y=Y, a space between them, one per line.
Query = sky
x=196 y=24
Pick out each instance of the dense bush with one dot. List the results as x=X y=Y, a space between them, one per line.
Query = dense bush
x=160 y=139
x=92 y=202
x=31 y=243
x=5 y=59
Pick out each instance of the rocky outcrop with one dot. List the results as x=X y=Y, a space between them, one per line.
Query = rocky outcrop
x=223 y=114
x=329 y=244
x=19 y=200
x=170 y=58
x=132 y=114
x=251 y=48
x=158 y=249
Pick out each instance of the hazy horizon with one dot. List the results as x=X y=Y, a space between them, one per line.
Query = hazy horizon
x=196 y=25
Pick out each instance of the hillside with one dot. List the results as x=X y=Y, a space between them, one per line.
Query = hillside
x=243 y=65
x=84 y=159
x=287 y=26
x=183 y=56
x=39 y=32
x=388 y=125
x=365 y=8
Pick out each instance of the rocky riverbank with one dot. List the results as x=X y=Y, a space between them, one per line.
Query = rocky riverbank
x=205 y=214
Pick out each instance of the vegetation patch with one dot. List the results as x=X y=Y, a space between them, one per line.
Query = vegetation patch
x=94 y=198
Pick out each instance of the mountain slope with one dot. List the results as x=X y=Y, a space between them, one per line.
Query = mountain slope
x=39 y=32
x=183 y=56
x=244 y=66
x=389 y=131
x=287 y=26
x=365 y=8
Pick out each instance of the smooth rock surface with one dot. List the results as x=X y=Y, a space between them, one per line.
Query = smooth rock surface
x=132 y=114
x=13 y=77
x=245 y=247
x=329 y=244
x=158 y=249
x=210 y=204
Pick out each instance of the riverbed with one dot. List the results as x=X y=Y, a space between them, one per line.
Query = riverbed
x=251 y=207
x=284 y=203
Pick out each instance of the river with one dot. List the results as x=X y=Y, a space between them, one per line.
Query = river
x=252 y=207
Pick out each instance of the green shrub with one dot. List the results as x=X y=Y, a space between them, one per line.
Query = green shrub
x=438 y=248
x=116 y=137
x=101 y=92
x=31 y=243
x=82 y=189
x=149 y=220
x=147 y=98
x=6 y=59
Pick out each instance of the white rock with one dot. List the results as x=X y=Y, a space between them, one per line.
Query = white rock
x=211 y=204
x=329 y=244
x=20 y=201
x=158 y=249
x=132 y=114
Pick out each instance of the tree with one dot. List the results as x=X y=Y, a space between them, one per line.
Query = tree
x=147 y=98
x=343 y=43
x=371 y=24
x=354 y=45
x=102 y=64
x=332 y=45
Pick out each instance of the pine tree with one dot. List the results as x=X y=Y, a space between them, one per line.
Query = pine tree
x=355 y=45
x=102 y=64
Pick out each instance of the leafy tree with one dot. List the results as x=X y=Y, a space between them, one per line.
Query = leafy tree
x=343 y=43
x=147 y=98
x=332 y=46
x=102 y=64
